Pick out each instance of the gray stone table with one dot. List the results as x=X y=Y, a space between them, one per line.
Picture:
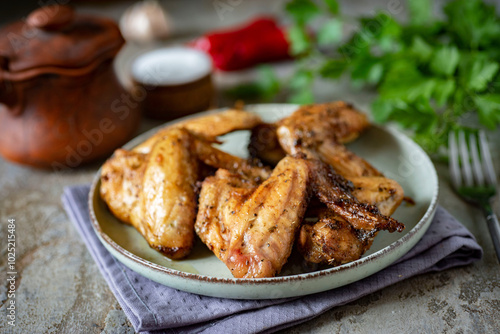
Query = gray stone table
x=60 y=290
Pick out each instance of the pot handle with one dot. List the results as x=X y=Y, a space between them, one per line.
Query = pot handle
x=52 y=17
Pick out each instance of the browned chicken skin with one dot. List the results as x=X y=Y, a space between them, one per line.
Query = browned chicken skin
x=345 y=162
x=252 y=229
x=332 y=240
x=314 y=129
x=249 y=215
x=319 y=132
x=382 y=192
x=155 y=191
x=214 y=157
x=121 y=183
x=335 y=191
x=312 y=124
x=264 y=144
x=208 y=127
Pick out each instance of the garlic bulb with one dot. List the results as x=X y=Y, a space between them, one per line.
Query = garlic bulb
x=145 y=21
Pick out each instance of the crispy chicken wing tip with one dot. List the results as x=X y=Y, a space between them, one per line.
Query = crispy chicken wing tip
x=174 y=253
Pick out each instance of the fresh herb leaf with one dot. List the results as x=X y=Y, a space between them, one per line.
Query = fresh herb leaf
x=300 y=42
x=246 y=91
x=420 y=11
x=382 y=110
x=405 y=82
x=333 y=6
x=330 y=33
x=472 y=23
x=488 y=106
x=419 y=116
x=381 y=33
x=443 y=90
x=420 y=49
x=268 y=82
x=301 y=79
x=476 y=72
x=379 y=28
x=333 y=68
x=305 y=96
x=301 y=87
x=302 y=10
x=462 y=102
x=445 y=60
x=265 y=87
x=367 y=69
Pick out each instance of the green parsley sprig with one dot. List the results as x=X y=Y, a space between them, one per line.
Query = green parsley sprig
x=431 y=75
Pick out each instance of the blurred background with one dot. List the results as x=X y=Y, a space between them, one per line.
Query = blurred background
x=284 y=80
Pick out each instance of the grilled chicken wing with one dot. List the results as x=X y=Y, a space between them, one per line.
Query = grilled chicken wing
x=168 y=201
x=248 y=215
x=208 y=127
x=121 y=183
x=345 y=162
x=332 y=240
x=336 y=192
x=384 y=193
x=318 y=131
x=313 y=124
x=264 y=144
x=155 y=191
x=340 y=235
x=216 y=158
x=252 y=228
x=305 y=130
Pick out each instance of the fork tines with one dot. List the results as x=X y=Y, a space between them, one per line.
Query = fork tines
x=462 y=172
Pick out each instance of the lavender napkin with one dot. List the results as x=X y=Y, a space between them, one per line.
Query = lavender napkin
x=156 y=308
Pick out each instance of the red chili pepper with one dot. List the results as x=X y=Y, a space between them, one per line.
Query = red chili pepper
x=257 y=42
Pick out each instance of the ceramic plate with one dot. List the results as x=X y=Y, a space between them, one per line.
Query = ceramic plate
x=391 y=152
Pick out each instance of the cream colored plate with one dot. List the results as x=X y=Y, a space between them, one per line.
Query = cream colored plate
x=391 y=152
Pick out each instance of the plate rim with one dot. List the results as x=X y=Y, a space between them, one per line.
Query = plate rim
x=423 y=223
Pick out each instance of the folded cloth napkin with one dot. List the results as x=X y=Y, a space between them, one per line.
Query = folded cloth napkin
x=156 y=308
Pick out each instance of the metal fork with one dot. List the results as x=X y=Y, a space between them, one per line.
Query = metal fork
x=477 y=183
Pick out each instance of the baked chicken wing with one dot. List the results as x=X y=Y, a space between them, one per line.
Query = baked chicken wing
x=316 y=123
x=247 y=214
x=384 y=193
x=156 y=191
x=334 y=241
x=252 y=228
x=339 y=236
x=331 y=240
x=208 y=127
x=319 y=131
x=336 y=192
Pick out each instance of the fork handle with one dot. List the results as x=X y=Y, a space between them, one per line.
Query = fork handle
x=494 y=227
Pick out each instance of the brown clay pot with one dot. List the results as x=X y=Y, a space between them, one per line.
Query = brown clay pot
x=61 y=104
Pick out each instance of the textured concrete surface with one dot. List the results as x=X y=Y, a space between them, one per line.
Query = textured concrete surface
x=60 y=290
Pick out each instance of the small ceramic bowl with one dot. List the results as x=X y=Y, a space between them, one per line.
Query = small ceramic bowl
x=173 y=82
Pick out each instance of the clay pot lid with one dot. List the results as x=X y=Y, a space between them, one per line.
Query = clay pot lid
x=54 y=39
